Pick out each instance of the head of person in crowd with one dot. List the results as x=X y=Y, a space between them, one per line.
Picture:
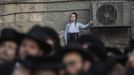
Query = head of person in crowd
x=93 y=45
x=130 y=54
x=131 y=59
x=9 y=41
x=73 y=17
x=129 y=49
x=130 y=64
x=118 y=63
x=51 y=38
x=76 y=60
x=32 y=43
x=117 y=54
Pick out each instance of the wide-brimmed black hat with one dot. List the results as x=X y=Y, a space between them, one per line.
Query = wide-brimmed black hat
x=76 y=48
x=95 y=45
x=37 y=35
x=52 y=34
x=42 y=63
x=11 y=35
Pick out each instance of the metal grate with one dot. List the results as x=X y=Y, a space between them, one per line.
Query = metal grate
x=106 y=14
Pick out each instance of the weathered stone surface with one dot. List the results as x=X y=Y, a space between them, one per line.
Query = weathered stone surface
x=57 y=6
x=21 y=18
x=55 y=20
x=23 y=8
x=31 y=7
x=10 y=8
x=77 y=5
x=35 y=17
x=1 y=20
x=132 y=17
x=9 y=19
x=127 y=15
x=1 y=9
x=43 y=0
x=8 y=0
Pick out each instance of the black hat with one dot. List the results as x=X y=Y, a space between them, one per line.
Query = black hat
x=45 y=63
x=117 y=54
x=37 y=35
x=76 y=48
x=96 y=46
x=11 y=35
x=115 y=51
x=52 y=34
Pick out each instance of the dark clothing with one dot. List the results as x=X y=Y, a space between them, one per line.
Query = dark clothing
x=128 y=50
x=71 y=37
x=130 y=71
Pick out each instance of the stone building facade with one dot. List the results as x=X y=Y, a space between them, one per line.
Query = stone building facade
x=23 y=14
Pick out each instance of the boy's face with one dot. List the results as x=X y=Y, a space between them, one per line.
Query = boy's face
x=73 y=17
x=45 y=72
x=29 y=47
x=8 y=50
x=74 y=63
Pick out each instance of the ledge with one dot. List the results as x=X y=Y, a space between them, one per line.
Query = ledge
x=33 y=2
x=99 y=27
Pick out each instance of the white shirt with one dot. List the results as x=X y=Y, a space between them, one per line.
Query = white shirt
x=73 y=28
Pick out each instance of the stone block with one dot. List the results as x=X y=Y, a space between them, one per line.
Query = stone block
x=56 y=6
x=1 y=20
x=10 y=8
x=35 y=17
x=32 y=7
x=77 y=5
x=9 y=19
x=21 y=18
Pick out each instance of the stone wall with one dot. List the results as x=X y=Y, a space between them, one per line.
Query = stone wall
x=132 y=19
x=23 y=14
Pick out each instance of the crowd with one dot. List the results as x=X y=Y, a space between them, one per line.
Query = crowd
x=38 y=52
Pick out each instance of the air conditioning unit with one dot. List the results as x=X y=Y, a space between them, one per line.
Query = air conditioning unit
x=111 y=13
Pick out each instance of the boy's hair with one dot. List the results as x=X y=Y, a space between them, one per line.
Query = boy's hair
x=76 y=16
